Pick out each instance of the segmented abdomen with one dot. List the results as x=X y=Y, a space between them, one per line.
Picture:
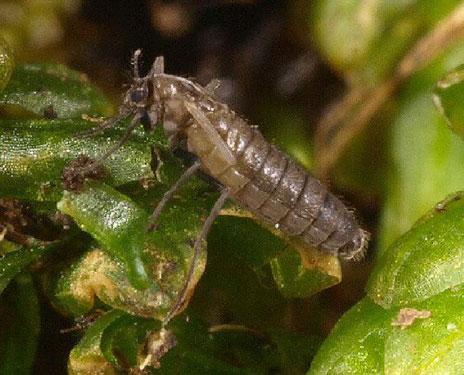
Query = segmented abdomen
x=276 y=189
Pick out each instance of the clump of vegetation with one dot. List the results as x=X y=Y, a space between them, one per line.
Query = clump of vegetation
x=83 y=282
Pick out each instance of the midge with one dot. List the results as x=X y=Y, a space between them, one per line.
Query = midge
x=251 y=171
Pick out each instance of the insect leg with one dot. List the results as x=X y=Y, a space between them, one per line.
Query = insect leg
x=156 y=162
x=168 y=195
x=197 y=247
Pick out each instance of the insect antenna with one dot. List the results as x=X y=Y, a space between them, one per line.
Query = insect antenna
x=103 y=126
x=135 y=61
x=134 y=123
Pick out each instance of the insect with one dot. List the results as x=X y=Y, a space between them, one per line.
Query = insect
x=250 y=170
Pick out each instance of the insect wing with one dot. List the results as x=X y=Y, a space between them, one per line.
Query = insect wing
x=201 y=119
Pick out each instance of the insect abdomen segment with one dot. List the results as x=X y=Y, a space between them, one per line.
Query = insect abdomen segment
x=295 y=202
x=275 y=188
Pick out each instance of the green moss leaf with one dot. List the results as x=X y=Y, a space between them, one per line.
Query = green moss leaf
x=425 y=261
x=95 y=278
x=295 y=279
x=52 y=90
x=123 y=340
x=33 y=154
x=297 y=272
x=257 y=246
x=115 y=342
x=87 y=357
x=115 y=222
x=431 y=345
x=226 y=278
x=156 y=262
x=411 y=321
x=14 y=258
x=371 y=340
x=20 y=326
x=224 y=349
x=356 y=344
x=295 y=350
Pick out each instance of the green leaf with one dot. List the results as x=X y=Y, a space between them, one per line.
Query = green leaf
x=243 y=238
x=51 y=90
x=297 y=272
x=115 y=222
x=158 y=261
x=449 y=99
x=33 y=154
x=242 y=348
x=368 y=339
x=87 y=357
x=432 y=345
x=422 y=270
x=19 y=327
x=228 y=275
x=220 y=349
x=295 y=350
x=17 y=258
x=116 y=341
x=123 y=340
x=425 y=261
x=297 y=280
x=356 y=343
x=6 y=64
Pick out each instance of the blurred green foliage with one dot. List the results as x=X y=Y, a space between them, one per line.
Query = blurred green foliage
x=424 y=152
x=32 y=26
x=418 y=265
x=365 y=40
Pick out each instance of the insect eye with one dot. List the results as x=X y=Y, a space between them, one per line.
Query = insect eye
x=138 y=95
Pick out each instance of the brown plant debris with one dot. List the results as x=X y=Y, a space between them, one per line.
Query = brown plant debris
x=79 y=170
x=408 y=315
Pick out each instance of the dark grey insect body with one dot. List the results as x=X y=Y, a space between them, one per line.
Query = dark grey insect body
x=251 y=171
x=259 y=176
